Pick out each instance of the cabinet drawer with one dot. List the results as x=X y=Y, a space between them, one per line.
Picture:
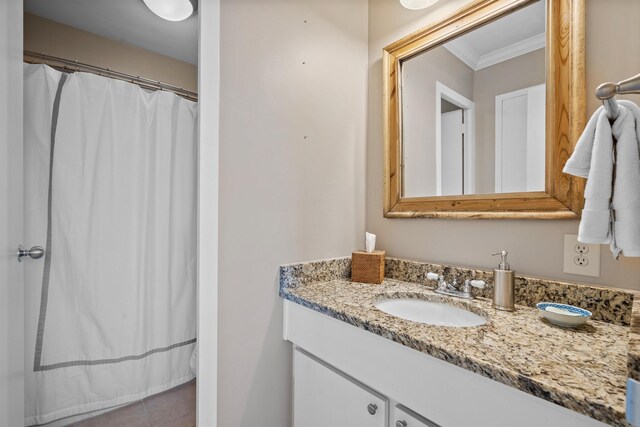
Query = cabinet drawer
x=404 y=417
x=324 y=397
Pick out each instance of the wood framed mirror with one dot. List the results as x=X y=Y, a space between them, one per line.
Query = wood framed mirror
x=512 y=169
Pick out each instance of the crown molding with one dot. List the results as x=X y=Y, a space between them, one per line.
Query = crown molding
x=464 y=52
x=469 y=56
x=508 y=52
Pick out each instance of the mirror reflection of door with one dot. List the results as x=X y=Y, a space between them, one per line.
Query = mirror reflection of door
x=452 y=128
x=520 y=140
x=455 y=149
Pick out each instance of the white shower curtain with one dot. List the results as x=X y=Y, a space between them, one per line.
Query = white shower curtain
x=110 y=188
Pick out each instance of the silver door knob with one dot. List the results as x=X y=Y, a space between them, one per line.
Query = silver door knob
x=372 y=408
x=35 y=252
x=401 y=423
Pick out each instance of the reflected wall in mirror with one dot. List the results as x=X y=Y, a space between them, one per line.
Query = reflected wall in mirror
x=473 y=110
x=482 y=110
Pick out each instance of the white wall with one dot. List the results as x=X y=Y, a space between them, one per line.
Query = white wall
x=292 y=176
x=613 y=28
x=208 y=209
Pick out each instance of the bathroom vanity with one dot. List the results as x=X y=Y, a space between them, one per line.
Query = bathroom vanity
x=355 y=365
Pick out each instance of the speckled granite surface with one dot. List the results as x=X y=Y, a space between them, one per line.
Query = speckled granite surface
x=584 y=370
x=633 y=359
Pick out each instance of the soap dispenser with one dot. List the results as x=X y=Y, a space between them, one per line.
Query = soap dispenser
x=504 y=280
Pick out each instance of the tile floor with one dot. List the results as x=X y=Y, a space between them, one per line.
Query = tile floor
x=172 y=408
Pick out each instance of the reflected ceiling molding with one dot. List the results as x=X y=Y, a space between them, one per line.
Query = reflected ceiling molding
x=475 y=61
x=464 y=52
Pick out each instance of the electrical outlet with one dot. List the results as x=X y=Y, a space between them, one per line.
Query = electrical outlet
x=581 y=258
x=581 y=248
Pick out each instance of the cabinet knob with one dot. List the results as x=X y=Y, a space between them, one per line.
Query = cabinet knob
x=401 y=423
x=372 y=408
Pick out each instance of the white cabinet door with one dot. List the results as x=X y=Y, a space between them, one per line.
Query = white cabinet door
x=11 y=287
x=403 y=417
x=323 y=397
x=520 y=140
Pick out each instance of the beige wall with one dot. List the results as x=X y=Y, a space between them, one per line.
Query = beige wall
x=419 y=77
x=517 y=73
x=613 y=28
x=292 y=153
x=50 y=37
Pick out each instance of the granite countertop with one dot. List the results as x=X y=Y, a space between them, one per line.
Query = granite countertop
x=633 y=359
x=584 y=370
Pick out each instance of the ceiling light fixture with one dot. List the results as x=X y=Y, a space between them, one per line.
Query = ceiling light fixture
x=416 y=4
x=171 y=10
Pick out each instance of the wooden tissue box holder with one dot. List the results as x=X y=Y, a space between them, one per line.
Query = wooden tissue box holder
x=367 y=267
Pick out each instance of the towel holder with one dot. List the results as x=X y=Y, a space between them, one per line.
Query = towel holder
x=607 y=92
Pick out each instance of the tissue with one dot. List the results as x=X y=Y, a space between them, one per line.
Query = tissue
x=369 y=242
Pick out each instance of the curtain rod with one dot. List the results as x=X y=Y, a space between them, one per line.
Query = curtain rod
x=73 y=66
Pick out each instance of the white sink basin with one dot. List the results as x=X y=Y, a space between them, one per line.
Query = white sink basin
x=429 y=312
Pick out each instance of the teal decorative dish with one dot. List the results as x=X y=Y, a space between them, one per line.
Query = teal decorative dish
x=564 y=315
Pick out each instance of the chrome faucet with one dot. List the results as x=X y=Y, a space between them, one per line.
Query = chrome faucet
x=452 y=289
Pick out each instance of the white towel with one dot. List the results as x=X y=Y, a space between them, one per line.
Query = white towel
x=579 y=164
x=611 y=210
x=626 y=192
x=593 y=159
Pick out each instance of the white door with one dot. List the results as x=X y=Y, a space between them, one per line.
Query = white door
x=323 y=397
x=520 y=140
x=452 y=153
x=11 y=283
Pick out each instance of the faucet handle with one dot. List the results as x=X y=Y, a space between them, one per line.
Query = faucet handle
x=439 y=278
x=433 y=276
x=477 y=283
